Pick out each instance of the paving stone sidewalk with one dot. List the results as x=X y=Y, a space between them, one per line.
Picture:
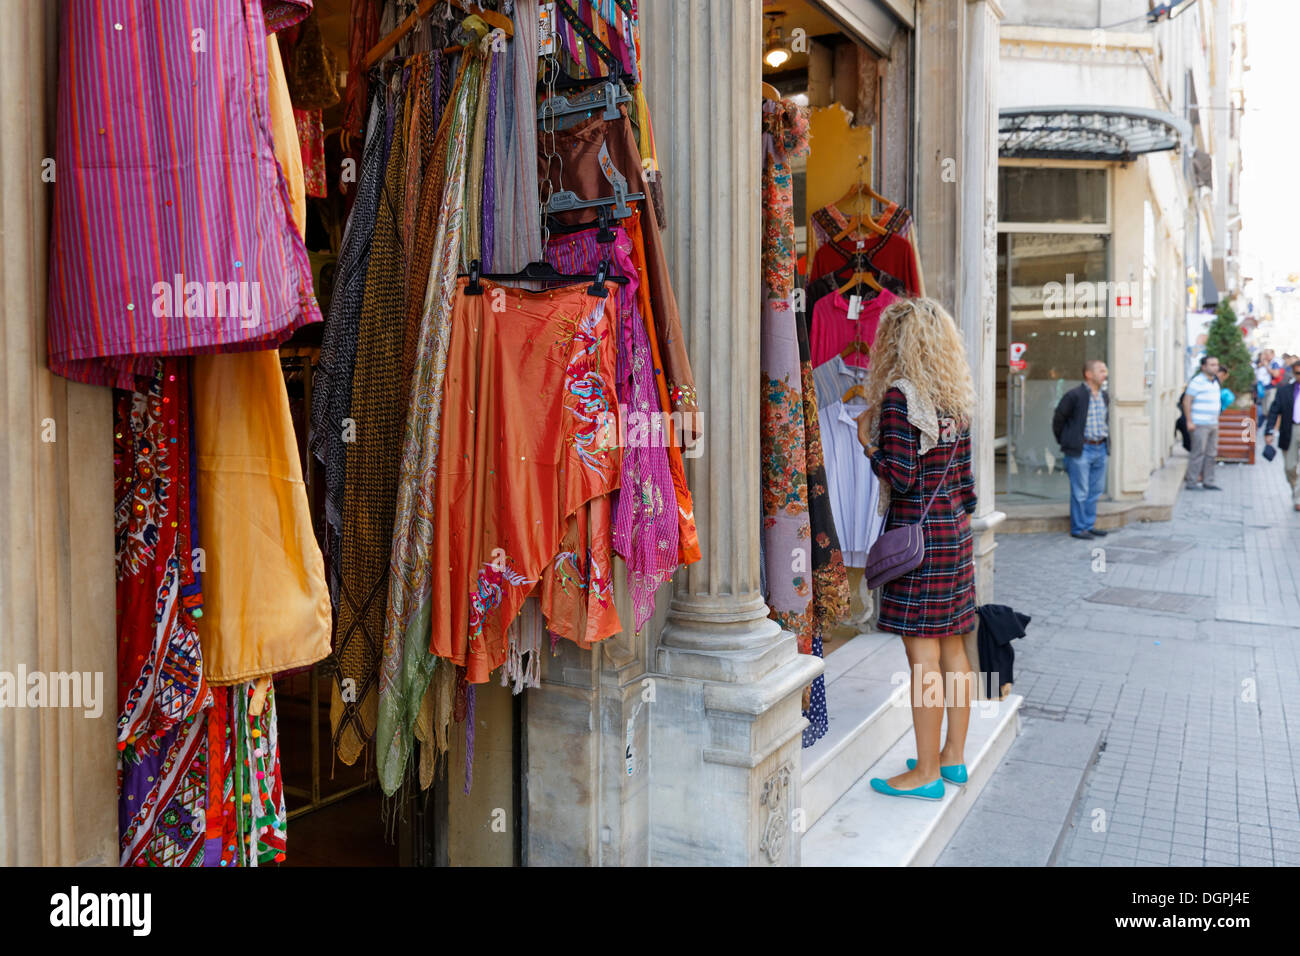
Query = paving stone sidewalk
x=1180 y=641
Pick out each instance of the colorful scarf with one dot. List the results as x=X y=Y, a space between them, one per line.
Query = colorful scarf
x=787 y=532
x=407 y=665
x=645 y=518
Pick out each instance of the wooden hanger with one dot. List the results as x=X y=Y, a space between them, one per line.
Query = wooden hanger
x=861 y=277
x=855 y=347
x=862 y=187
x=770 y=92
x=858 y=223
x=490 y=17
x=857 y=192
x=857 y=391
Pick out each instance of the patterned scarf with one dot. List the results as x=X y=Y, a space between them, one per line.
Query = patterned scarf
x=161 y=727
x=786 y=528
x=378 y=411
x=332 y=381
x=407 y=665
x=645 y=518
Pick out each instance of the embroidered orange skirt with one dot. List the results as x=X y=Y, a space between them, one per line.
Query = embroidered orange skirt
x=529 y=437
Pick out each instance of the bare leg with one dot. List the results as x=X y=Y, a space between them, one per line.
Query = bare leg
x=957 y=676
x=927 y=711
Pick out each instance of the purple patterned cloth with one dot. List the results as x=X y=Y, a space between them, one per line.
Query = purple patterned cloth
x=490 y=166
x=645 y=507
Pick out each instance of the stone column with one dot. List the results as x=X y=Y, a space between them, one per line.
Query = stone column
x=58 y=804
x=956 y=208
x=725 y=722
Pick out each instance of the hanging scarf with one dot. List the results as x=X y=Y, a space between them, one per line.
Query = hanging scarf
x=332 y=382
x=408 y=665
x=162 y=693
x=378 y=410
x=258 y=789
x=645 y=518
x=787 y=533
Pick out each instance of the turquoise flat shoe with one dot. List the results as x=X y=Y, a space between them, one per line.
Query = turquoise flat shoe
x=953 y=773
x=931 y=791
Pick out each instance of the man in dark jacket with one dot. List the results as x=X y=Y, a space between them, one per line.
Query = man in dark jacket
x=1081 y=426
x=1282 y=419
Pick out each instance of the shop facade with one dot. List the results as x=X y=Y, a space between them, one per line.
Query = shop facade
x=680 y=745
x=1108 y=201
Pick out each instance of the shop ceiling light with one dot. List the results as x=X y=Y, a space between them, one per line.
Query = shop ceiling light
x=775 y=52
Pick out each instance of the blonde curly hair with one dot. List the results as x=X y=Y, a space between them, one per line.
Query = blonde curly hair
x=919 y=341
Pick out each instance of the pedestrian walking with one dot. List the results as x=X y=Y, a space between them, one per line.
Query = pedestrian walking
x=1202 y=404
x=1283 y=415
x=916 y=431
x=1082 y=429
x=1264 y=390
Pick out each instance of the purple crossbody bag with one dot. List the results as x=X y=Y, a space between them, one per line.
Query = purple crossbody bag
x=902 y=549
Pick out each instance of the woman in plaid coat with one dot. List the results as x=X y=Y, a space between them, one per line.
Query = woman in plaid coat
x=938 y=597
x=920 y=401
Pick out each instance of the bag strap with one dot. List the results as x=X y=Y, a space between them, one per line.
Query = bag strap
x=955 y=445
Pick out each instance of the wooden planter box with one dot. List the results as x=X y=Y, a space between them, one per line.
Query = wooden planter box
x=1237 y=435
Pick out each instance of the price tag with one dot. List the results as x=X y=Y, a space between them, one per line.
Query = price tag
x=855 y=307
x=546 y=29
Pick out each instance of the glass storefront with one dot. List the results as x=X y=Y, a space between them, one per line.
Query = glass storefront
x=1053 y=306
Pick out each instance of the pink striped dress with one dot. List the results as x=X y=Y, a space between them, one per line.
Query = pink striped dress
x=172 y=230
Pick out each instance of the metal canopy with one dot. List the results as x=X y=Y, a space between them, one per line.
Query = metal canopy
x=1120 y=134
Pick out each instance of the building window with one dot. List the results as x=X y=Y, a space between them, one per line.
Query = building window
x=1029 y=194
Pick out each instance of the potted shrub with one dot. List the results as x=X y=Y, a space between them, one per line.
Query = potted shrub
x=1227 y=340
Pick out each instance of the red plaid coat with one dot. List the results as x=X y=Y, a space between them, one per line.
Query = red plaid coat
x=938 y=597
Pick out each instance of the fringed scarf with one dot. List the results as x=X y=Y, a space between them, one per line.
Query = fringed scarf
x=408 y=664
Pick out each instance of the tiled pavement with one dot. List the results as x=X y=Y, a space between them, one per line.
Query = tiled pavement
x=1196 y=695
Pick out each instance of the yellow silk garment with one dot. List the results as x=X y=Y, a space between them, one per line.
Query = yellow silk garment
x=266 y=607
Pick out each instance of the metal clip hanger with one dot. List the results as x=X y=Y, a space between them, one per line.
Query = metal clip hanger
x=566 y=200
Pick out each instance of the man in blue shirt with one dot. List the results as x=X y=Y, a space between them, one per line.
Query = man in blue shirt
x=1202 y=404
x=1083 y=431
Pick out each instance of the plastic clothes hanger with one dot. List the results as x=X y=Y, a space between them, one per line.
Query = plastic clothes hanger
x=605 y=234
x=543 y=272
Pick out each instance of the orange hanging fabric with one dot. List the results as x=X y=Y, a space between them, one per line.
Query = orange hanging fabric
x=529 y=437
x=266 y=605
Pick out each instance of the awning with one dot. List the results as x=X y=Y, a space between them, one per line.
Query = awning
x=874 y=22
x=1113 y=133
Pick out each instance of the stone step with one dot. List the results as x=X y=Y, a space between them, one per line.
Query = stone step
x=866 y=695
x=865 y=828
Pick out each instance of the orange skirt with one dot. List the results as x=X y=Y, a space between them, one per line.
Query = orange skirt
x=529 y=437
